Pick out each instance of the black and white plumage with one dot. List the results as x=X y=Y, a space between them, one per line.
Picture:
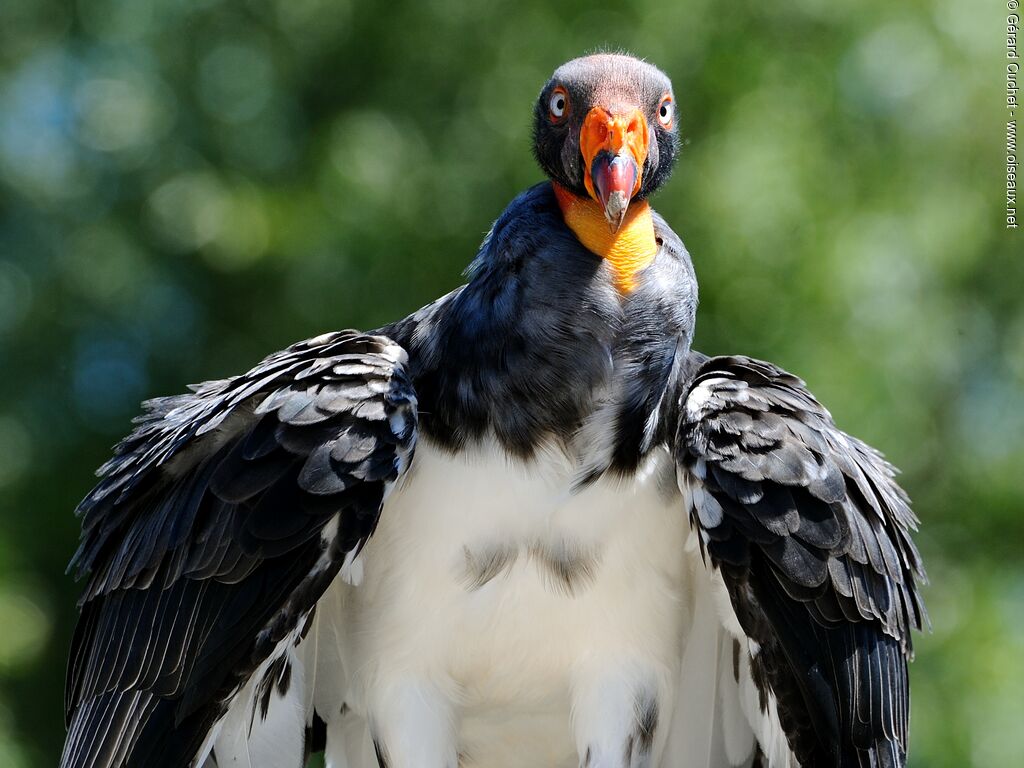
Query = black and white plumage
x=811 y=535
x=608 y=550
x=217 y=525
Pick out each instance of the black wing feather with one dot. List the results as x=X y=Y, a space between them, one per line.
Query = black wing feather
x=812 y=536
x=210 y=536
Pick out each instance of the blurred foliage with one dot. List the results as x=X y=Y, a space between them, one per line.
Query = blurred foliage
x=186 y=185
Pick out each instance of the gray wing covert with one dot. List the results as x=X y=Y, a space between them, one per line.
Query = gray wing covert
x=811 y=534
x=215 y=527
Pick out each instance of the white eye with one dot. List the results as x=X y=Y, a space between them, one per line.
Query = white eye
x=666 y=112
x=559 y=104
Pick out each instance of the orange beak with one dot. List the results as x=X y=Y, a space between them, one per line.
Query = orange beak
x=614 y=148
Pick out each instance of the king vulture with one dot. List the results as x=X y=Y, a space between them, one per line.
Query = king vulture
x=525 y=526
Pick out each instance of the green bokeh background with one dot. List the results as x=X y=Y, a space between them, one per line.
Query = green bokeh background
x=188 y=185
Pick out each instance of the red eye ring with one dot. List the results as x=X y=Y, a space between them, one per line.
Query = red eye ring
x=666 y=112
x=558 y=104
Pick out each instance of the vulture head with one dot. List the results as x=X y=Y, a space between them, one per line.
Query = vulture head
x=605 y=128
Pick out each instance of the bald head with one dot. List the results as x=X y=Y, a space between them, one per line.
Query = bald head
x=596 y=118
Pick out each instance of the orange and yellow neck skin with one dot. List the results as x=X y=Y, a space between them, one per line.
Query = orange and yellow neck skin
x=627 y=250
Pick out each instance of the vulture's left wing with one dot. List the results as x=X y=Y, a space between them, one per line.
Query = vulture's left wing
x=811 y=535
x=214 y=530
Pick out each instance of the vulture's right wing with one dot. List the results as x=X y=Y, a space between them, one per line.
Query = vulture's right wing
x=214 y=530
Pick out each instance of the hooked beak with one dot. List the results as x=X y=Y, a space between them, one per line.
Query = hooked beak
x=614 y=178
x=614 y=148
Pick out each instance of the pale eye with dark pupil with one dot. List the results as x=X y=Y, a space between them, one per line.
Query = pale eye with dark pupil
x=557 y=105
x=665 y=113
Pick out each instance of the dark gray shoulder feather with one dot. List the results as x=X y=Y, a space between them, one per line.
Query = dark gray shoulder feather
x=539 y=339
x=518 y=351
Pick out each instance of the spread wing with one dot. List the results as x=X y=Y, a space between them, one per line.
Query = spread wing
x=215 y=528
x=811 y=536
